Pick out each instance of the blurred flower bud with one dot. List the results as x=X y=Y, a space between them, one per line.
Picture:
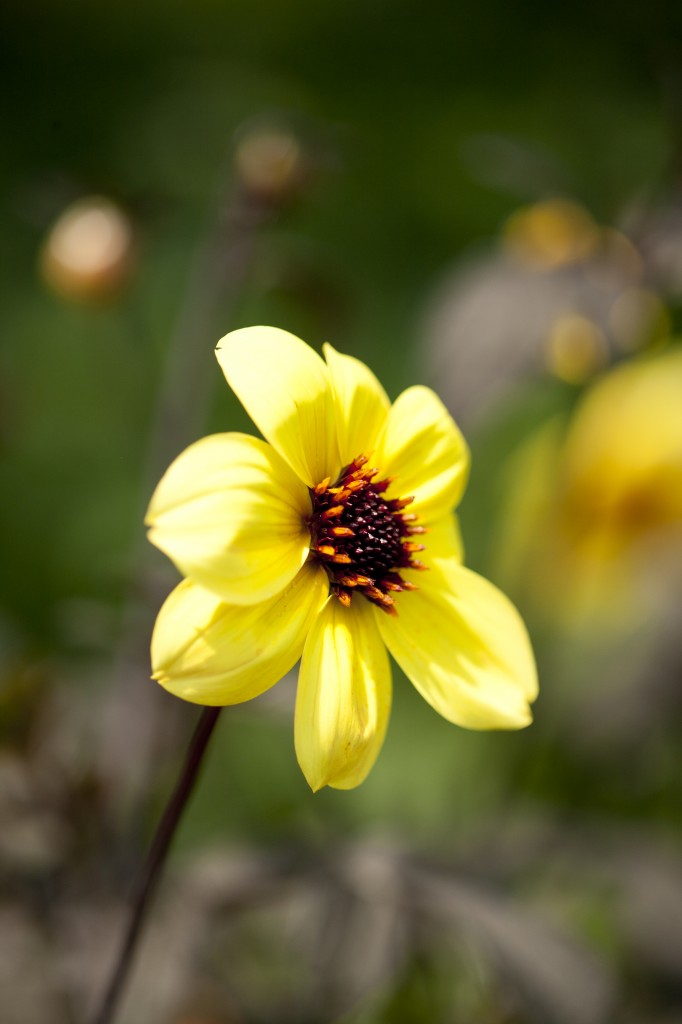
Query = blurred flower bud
x=615 y=261
x=559 y=293
x=88 y=254
x=658 y=231
x=550 y=234
x=270 y=163
x=576 y=348
x=638 y=319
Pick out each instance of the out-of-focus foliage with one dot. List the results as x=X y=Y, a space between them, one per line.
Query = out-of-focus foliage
x=481 y=197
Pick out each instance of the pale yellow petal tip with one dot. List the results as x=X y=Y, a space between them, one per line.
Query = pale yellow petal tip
x=162 y=677
x=152 y=532
x=185 y=692
x=339 y=776
x=513 y=718
x=315 y=781
x=339 y=784
x=523 y=721
x=243 y=334
x=329 y=353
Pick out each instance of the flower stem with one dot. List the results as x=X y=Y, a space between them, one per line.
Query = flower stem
x=156 y=857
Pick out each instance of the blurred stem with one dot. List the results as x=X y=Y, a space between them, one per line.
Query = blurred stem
x=218 y=273
x=156 y=857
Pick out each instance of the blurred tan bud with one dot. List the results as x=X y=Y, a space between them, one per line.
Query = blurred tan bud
x=638 y=319
x=576 y=348
x=270 y=163
x=550 y=234
x=88 y=254
x=616 y=260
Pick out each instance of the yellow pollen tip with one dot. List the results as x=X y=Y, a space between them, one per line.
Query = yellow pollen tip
x=332 y=512
x=342 y=559
x=326 y=549
x=342 y=531
x=323 y=485
x=411 y=545
x=402 y=502
x=344 y=598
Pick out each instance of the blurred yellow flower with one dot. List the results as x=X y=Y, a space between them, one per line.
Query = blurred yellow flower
x=550 y=234
x=599 y=515
x=304 y=547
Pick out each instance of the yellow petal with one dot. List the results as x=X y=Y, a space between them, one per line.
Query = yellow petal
x=284 y=386
x=443 y=543
x=230 y=514
x=422 y=446
x=463 y=645
x=361 y=404
x=209 y=652
x=344 y=696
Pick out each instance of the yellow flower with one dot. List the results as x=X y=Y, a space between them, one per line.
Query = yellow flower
x=304 y=547
x=594 y=521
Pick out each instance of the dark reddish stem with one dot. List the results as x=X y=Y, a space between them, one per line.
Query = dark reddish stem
x=155 y=861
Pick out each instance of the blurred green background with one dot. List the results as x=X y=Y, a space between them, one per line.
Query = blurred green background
x=347 y=172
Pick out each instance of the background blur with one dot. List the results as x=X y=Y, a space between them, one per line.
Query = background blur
x=484 y=198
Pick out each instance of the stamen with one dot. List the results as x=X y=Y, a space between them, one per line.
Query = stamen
x=378 y=595
x=348 y=581
x=363 y=538
x=391 y=585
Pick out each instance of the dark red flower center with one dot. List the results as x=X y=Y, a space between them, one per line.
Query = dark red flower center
x=361 y=537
